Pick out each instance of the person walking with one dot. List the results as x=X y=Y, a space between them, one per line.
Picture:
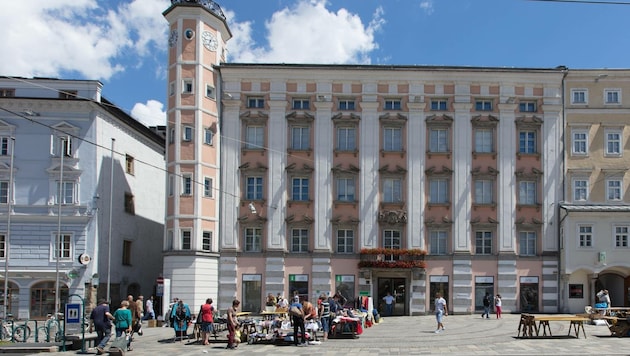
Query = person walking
x=497 y=305
x=441 y=310
x=324 y=315
x=135 y=316
x=123 y=322
x=149 y=311
x=207 y=318
x=487 y=303
x=232 y=324
x=298 y=322
x=389 y=304
x=101 y=321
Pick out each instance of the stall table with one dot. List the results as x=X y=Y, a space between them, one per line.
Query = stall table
x=527 y=326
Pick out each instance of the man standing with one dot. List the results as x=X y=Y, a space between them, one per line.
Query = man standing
x=440 y=311
x=101 y=321
x=149 y=312
x=232 y=323
x=389 y=304
x=135 y=315
x=487 y=302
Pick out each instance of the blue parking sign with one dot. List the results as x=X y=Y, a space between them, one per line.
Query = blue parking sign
x=73 y=313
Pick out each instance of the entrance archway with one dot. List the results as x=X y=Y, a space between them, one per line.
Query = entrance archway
x=13 y=299
x=43 y=299
x=617 y=288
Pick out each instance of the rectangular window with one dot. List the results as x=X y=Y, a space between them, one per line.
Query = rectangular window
x=585 y=236
x=7 y=93
x=3 y=246
x=207 y=187
x=187 y=133
x=300 y=189
x=68 y=94
x=527 y=243
x=483 y=191
x=126 y=253
x=186 y=240
x=580 y=142
x=438 y=140
x=613 y=142
x=392 y=190
x=255 y=102
x=61 y=145
x=62 y=247
x=5 y=146
x=483 y=105
x=171 y=135
x=527 y=106
x=393 y=104
x=437 y=242
x=206 y=241
x=4 y=192
x=346 y=139
x=254 y=189
x=345 y=241
x=621 y=236
x=253 y=239
x=439 y=105
x=392 y=239
x=301 y=104
x=613 y=190
x=483 y=140
x=527 y=142
x=187 y=86
x=346 y=104
x=129 y=164
x=580 y=190
x=171 y=185
x=527 y=193
x=66 y=195
x=171 y=88
x=187 y=184
x=392 y=139
x=130 y=207
x=612 y=96
x=210 y=92
x=300 y=138
x=170 y=240
x=576 y=291
x=299 y=240
x=208 y=136
x=345 y=189
x=483 y=242
x=438 y=191
x=254 y=138
x=579 y=96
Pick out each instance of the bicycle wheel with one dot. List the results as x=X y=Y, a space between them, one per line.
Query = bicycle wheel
x=42 y=334
x=20 y=333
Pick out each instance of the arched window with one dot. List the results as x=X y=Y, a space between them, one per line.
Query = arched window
x=13 y=299
x=43 y=299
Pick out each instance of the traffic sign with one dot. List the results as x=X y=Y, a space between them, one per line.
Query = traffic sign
x=73 y=313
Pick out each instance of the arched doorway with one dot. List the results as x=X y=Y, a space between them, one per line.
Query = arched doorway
x=616 y=286
x=134 y=290
x=13 y=299
x=43 y=299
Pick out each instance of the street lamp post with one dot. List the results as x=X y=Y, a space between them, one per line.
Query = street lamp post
x=7 y=237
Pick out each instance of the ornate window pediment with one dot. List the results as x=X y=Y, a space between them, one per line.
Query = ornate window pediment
x=339 y=170
x=254 y=117
x=484 y=121
x=393 y=119
x=345 y=118
x=305 y=169
x=393 y=217
x=246 y=167
x=534 y=174
x=432 y=171
x=396 y=171
x=300 y=117
x=490 y=172
x=439 y=120
x=528 y=122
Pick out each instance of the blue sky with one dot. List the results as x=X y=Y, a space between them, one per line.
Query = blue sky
x=123 y=43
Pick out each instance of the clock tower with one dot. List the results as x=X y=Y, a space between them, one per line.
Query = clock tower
x=198 y=33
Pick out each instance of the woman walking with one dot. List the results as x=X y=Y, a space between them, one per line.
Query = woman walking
x=207 y=318
x=123 y=322
x=497 y=305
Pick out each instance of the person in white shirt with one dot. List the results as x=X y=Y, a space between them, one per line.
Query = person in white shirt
x=440 y=311
x=389 y=304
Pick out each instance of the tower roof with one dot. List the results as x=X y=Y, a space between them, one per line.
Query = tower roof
x=208 y=4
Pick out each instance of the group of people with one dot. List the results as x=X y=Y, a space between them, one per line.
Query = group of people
x=488 y=302
x=126 y=320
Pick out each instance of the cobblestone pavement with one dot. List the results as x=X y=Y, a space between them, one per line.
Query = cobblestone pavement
x=409 y=335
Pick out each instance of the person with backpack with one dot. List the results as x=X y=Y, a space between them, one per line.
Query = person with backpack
x=487 y=303
x=297 y=317
x=181 y=316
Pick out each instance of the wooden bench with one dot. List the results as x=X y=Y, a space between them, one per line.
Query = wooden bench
x=527 y=326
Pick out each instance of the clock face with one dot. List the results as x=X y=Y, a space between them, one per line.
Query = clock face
x=209 y=41
x=172 y=40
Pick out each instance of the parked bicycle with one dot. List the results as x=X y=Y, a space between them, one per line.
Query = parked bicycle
x=52 y=330
x=11 y=331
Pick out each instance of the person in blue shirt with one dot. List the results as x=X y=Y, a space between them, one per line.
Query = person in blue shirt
x=298 y=322
x=389 y=304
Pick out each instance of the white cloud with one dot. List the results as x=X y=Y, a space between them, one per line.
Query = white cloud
x=150 y=114
x=308 y=33
x=427 y=6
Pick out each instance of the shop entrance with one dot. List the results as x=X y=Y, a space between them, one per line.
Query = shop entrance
x=397 y=288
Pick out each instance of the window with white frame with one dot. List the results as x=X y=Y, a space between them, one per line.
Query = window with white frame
x=299 y=240
x=61 y=247
x=62 y=144
x=392 y=139
x=254 y=188
x=208 y=187
x=208 y=136
x=439 y=105
x=613 y=142
x=255 y=102
x=579 y=145
x=527 y=141
x=484 y=191
x=483 y=242
x=438 y=191
x=345 y=104
x=345 y=241
x=346 y=139
x=483 y=105
x=4 y=192
x=527 y=193
x=254 y=137
x=345 y=189
x=253 y=239
x=210 y=92
x=438 y=139
x=613 y=189
x=300 y=138
x=171 y=88
x=187 y=184
x=392 y=239
x=484 y=140
x=187 y=86
x=621 y=236
x=130 y=164
x=580 y=189
x=392 y=190
x=392 y=104
x=186 y=240
x=437 y=242
x=585 y=236
x=527 y=106
x=65 y=193
x=171 y=135
x=187 y=134
x=299 y=189
x=206 y=241
x=301 y=104
x=527 y=243
x=612 y=96
x=579 y=96
x=5 y=146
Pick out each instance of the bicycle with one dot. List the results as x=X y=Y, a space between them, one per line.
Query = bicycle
x=12 y=332
x=52 y=327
